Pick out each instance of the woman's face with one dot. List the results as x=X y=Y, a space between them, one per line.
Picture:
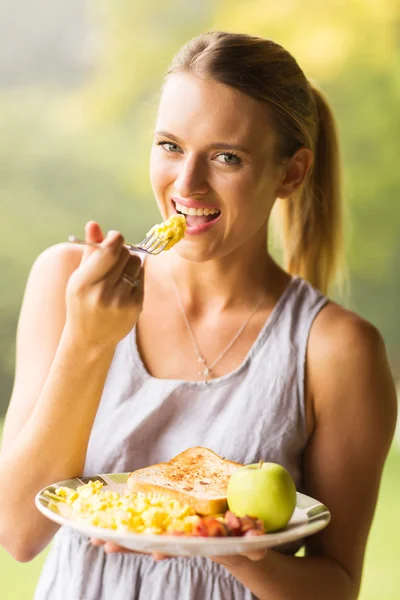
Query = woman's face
x=213 y=160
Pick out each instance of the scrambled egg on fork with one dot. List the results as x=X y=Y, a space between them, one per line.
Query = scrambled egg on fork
x=173 y=228
x=132 y=512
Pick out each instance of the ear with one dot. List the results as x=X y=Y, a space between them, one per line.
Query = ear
x=294 y=172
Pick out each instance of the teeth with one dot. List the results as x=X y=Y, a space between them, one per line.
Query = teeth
x=196 y=211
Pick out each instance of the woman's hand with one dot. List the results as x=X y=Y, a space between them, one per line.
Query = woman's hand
x=101 y=307
x=235 y=560
x=227 y=561
x=111 y=548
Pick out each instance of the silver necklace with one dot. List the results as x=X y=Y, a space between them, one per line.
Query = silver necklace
x=207 y=371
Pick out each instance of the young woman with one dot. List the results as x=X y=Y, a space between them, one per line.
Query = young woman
x=217 y=345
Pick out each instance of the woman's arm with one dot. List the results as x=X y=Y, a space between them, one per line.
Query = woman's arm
x=64 y=350
x=355 y=415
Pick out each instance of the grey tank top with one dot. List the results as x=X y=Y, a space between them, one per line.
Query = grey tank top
x=255 y=412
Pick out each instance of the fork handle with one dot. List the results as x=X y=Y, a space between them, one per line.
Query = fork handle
x=75 y=240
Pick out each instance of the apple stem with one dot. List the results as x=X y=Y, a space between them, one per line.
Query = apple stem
x=261 y=463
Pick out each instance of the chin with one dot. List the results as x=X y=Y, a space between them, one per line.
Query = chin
x=192 y=254
x=200 y=253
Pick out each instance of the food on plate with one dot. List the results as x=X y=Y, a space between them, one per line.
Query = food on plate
x=147 y=513
x=136 y=513
x=229 y=525
x=173 y=229
x=190 y=496
x=197 y=477
x=265 y=491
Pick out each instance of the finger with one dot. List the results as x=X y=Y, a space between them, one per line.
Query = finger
x=103 y=259
x=233 y=560
x=114 y=275
x=93 y=234
x=133 y=271
x=256 y=555
x=131 y=268
x=97 y=542
x=111 y=548
x=139 y=289
x=158 y=556
x=136 y=293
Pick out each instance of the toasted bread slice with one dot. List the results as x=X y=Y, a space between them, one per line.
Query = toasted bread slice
x=197 y=476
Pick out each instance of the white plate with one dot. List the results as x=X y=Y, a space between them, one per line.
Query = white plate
x=309 y=517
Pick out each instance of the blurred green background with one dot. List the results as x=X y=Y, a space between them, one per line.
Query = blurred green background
x=79 y=85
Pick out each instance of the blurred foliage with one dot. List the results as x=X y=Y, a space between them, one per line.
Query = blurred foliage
x=70 y=153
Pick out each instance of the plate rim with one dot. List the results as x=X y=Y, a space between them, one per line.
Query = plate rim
x=318 y=517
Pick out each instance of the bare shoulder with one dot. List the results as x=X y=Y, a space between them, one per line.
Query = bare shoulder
x=339 y=333
x=348 y=368
x=44 y=299
x=64 y=257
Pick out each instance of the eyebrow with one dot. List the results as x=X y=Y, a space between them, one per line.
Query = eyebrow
x=215 y=146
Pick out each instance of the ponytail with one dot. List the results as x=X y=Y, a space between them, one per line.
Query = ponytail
x=311 y=220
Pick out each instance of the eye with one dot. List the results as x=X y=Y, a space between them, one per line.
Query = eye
x=229 y=158
x=169 y=146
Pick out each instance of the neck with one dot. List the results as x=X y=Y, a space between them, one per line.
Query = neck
x=240 y=278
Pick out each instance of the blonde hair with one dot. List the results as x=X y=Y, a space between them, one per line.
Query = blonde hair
x=311 y=219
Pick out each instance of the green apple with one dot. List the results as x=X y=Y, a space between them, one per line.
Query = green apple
x=265 y=491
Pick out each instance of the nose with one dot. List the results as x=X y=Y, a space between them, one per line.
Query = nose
x=191 y=178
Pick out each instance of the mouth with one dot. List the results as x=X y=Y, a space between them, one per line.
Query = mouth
x=198 y=218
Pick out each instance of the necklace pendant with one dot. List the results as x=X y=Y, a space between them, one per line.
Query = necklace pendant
x=206 y=373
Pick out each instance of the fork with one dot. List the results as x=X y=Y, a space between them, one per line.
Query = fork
x=151 y=244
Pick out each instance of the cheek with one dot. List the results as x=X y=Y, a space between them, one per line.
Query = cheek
x=154 y=169
x=263 y=190
x=160 y=174
x=242 y=191
x=251 y=198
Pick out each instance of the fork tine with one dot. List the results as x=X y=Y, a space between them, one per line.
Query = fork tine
x=157 y=242
x=161 y=246
x=150 y=242
x=154 y=244
x=143 y=243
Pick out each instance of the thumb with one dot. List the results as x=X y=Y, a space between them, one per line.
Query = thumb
x=93 y=234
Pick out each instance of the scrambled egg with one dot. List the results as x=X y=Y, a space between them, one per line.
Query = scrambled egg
x=136 y=513
x=173 y=228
